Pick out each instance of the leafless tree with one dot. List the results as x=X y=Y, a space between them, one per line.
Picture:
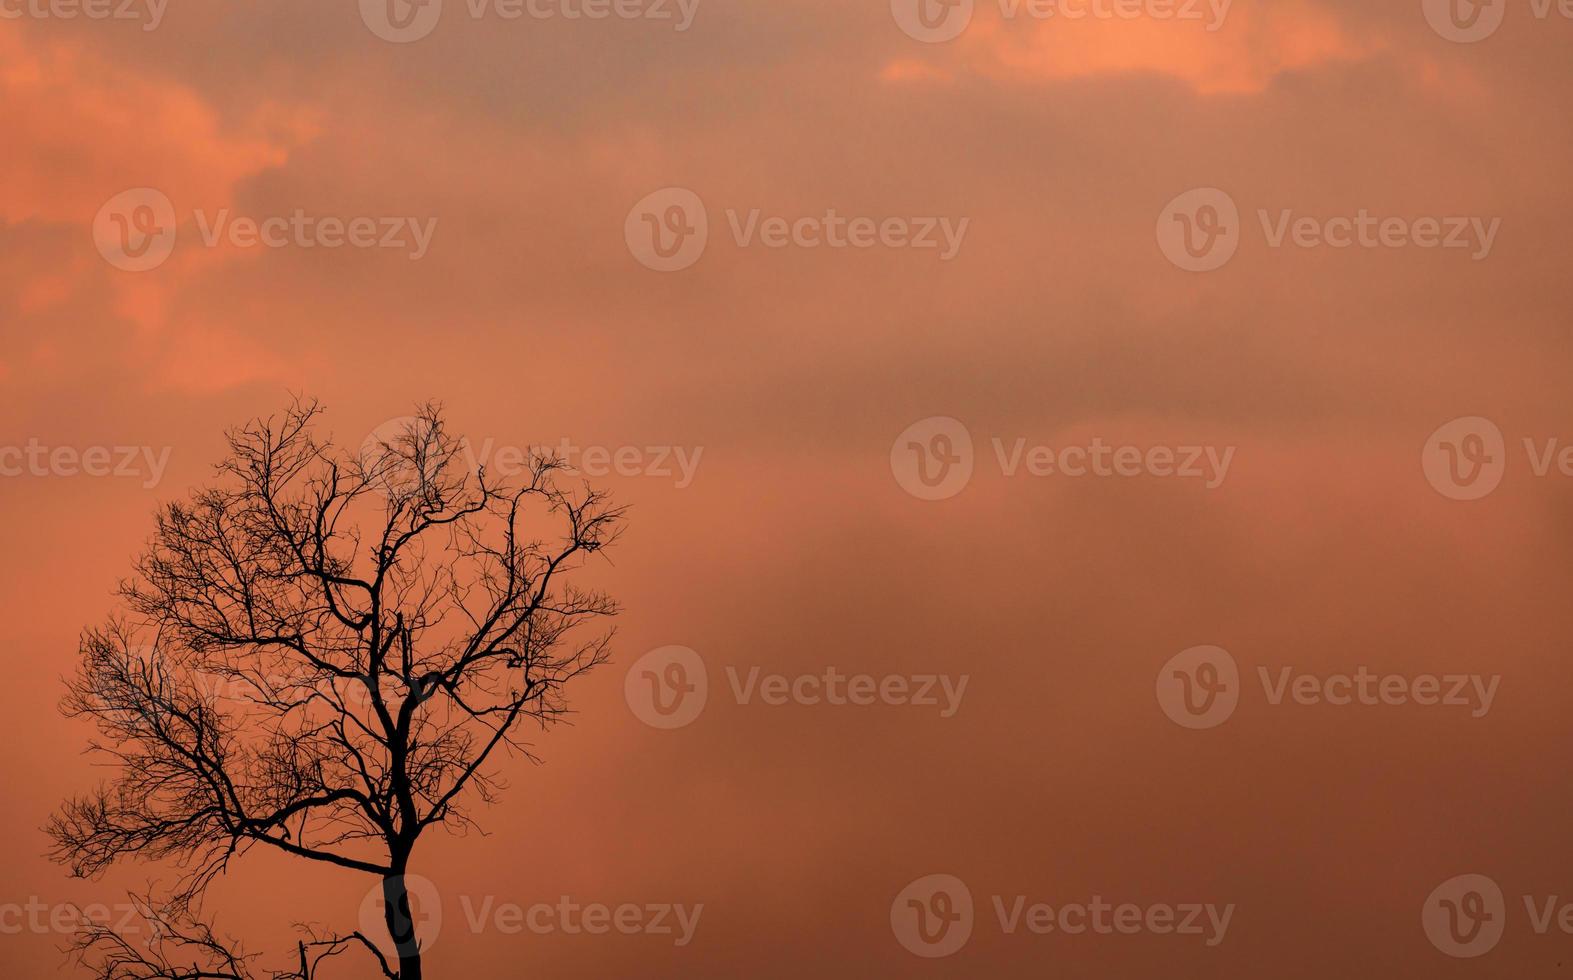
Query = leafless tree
x=325 y=654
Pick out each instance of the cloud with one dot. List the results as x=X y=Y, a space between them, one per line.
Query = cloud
x=94 y=128
x=1237 y=49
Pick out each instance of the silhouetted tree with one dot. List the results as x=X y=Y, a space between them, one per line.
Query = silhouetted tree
x=323 y=654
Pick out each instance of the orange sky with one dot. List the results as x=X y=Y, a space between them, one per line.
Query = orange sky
x=784 y=375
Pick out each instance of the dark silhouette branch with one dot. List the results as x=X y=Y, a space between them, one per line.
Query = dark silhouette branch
x=322 y=654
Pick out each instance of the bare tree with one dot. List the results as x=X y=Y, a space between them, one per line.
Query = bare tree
x=325 y=654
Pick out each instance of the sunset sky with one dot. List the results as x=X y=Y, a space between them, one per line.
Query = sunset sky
x=764 y=398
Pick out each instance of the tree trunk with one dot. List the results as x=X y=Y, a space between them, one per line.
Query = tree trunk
x=401 y=926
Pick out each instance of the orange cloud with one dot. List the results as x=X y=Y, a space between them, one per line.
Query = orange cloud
x=94 y=128
x=1241 y=52
x=206 y=361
